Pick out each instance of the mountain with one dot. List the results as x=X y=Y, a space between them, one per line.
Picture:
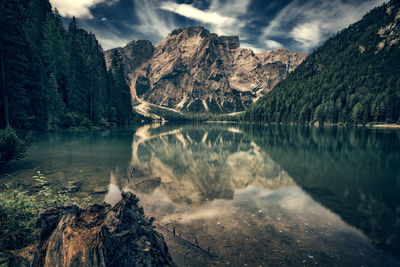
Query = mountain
x=354 y=77
x=193 y=70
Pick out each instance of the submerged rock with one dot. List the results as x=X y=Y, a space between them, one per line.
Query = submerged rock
x=101 y=235
x=99 y=190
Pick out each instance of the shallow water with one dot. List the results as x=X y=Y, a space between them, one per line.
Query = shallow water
x=249 y=195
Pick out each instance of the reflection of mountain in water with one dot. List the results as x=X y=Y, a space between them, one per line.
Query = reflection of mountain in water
x=202 y=162
x=353 y=172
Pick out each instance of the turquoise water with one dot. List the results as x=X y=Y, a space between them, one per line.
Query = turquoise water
x=250 y=194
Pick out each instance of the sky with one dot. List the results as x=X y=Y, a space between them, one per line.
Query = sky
x=297 y=25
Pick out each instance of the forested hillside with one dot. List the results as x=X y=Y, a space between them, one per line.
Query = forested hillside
x=53 y=77
x=353 y=78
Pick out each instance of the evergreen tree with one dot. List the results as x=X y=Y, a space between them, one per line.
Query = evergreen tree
x=120 y=98
x=35 y=15
x=52 y=77
x=14 y=65
x=54 y=55
x=77 y=78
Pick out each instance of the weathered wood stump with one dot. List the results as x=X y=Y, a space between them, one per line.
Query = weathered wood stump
x=100 y=235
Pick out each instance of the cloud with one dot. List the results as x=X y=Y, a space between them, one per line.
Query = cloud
x=252 y=47
x=77 y=8
x=108 y=35
x=311 y=22
x=191 y=12
x=307 y=34
x=109 y=40
x=159 y=18
x=235 y=9
x=271 y=44
x=221 y=17
x=152 y=20
x=298 y=25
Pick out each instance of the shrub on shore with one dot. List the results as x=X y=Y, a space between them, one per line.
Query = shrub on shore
x=12 y=146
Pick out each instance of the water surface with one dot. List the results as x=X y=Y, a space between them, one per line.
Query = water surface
x=246 y=195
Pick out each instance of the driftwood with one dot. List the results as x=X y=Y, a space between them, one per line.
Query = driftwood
x=100 y=235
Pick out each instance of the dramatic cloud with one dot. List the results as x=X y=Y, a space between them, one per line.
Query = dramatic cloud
x=152 y=20
x=237 y=11
x=197 y=14
x=307 y=34
x=77 y=8
x=221 y=17
x=308 y=23
x=298 y=25
x=271 y=44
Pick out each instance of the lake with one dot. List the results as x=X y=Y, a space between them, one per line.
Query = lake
x=241 y=195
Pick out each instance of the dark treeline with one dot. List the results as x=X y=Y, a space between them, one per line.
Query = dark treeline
x=353 y=78
x=53 y=77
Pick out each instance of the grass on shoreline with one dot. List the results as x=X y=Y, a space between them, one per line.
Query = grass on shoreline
x=19 y=211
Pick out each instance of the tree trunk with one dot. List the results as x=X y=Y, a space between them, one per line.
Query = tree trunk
x=91 y=97
x=3 y=87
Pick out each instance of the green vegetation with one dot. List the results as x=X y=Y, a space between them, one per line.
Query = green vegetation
x=349 y=79
x=121 y=111
x=174 y=116
x=170 y=115
x=19 y=212
x=12 y=146
x=52 y=77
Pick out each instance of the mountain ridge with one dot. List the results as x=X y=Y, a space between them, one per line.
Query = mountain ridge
x=194 y=70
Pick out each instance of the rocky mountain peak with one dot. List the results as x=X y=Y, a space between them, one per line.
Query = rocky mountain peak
x=190 y=31
x=133 y=54
x=199 y=32
x=194 y=70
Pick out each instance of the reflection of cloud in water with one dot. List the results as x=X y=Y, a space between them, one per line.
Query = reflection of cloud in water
x=288 y=202
x=199 y=164
x=114 y=192
x=212 y=210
